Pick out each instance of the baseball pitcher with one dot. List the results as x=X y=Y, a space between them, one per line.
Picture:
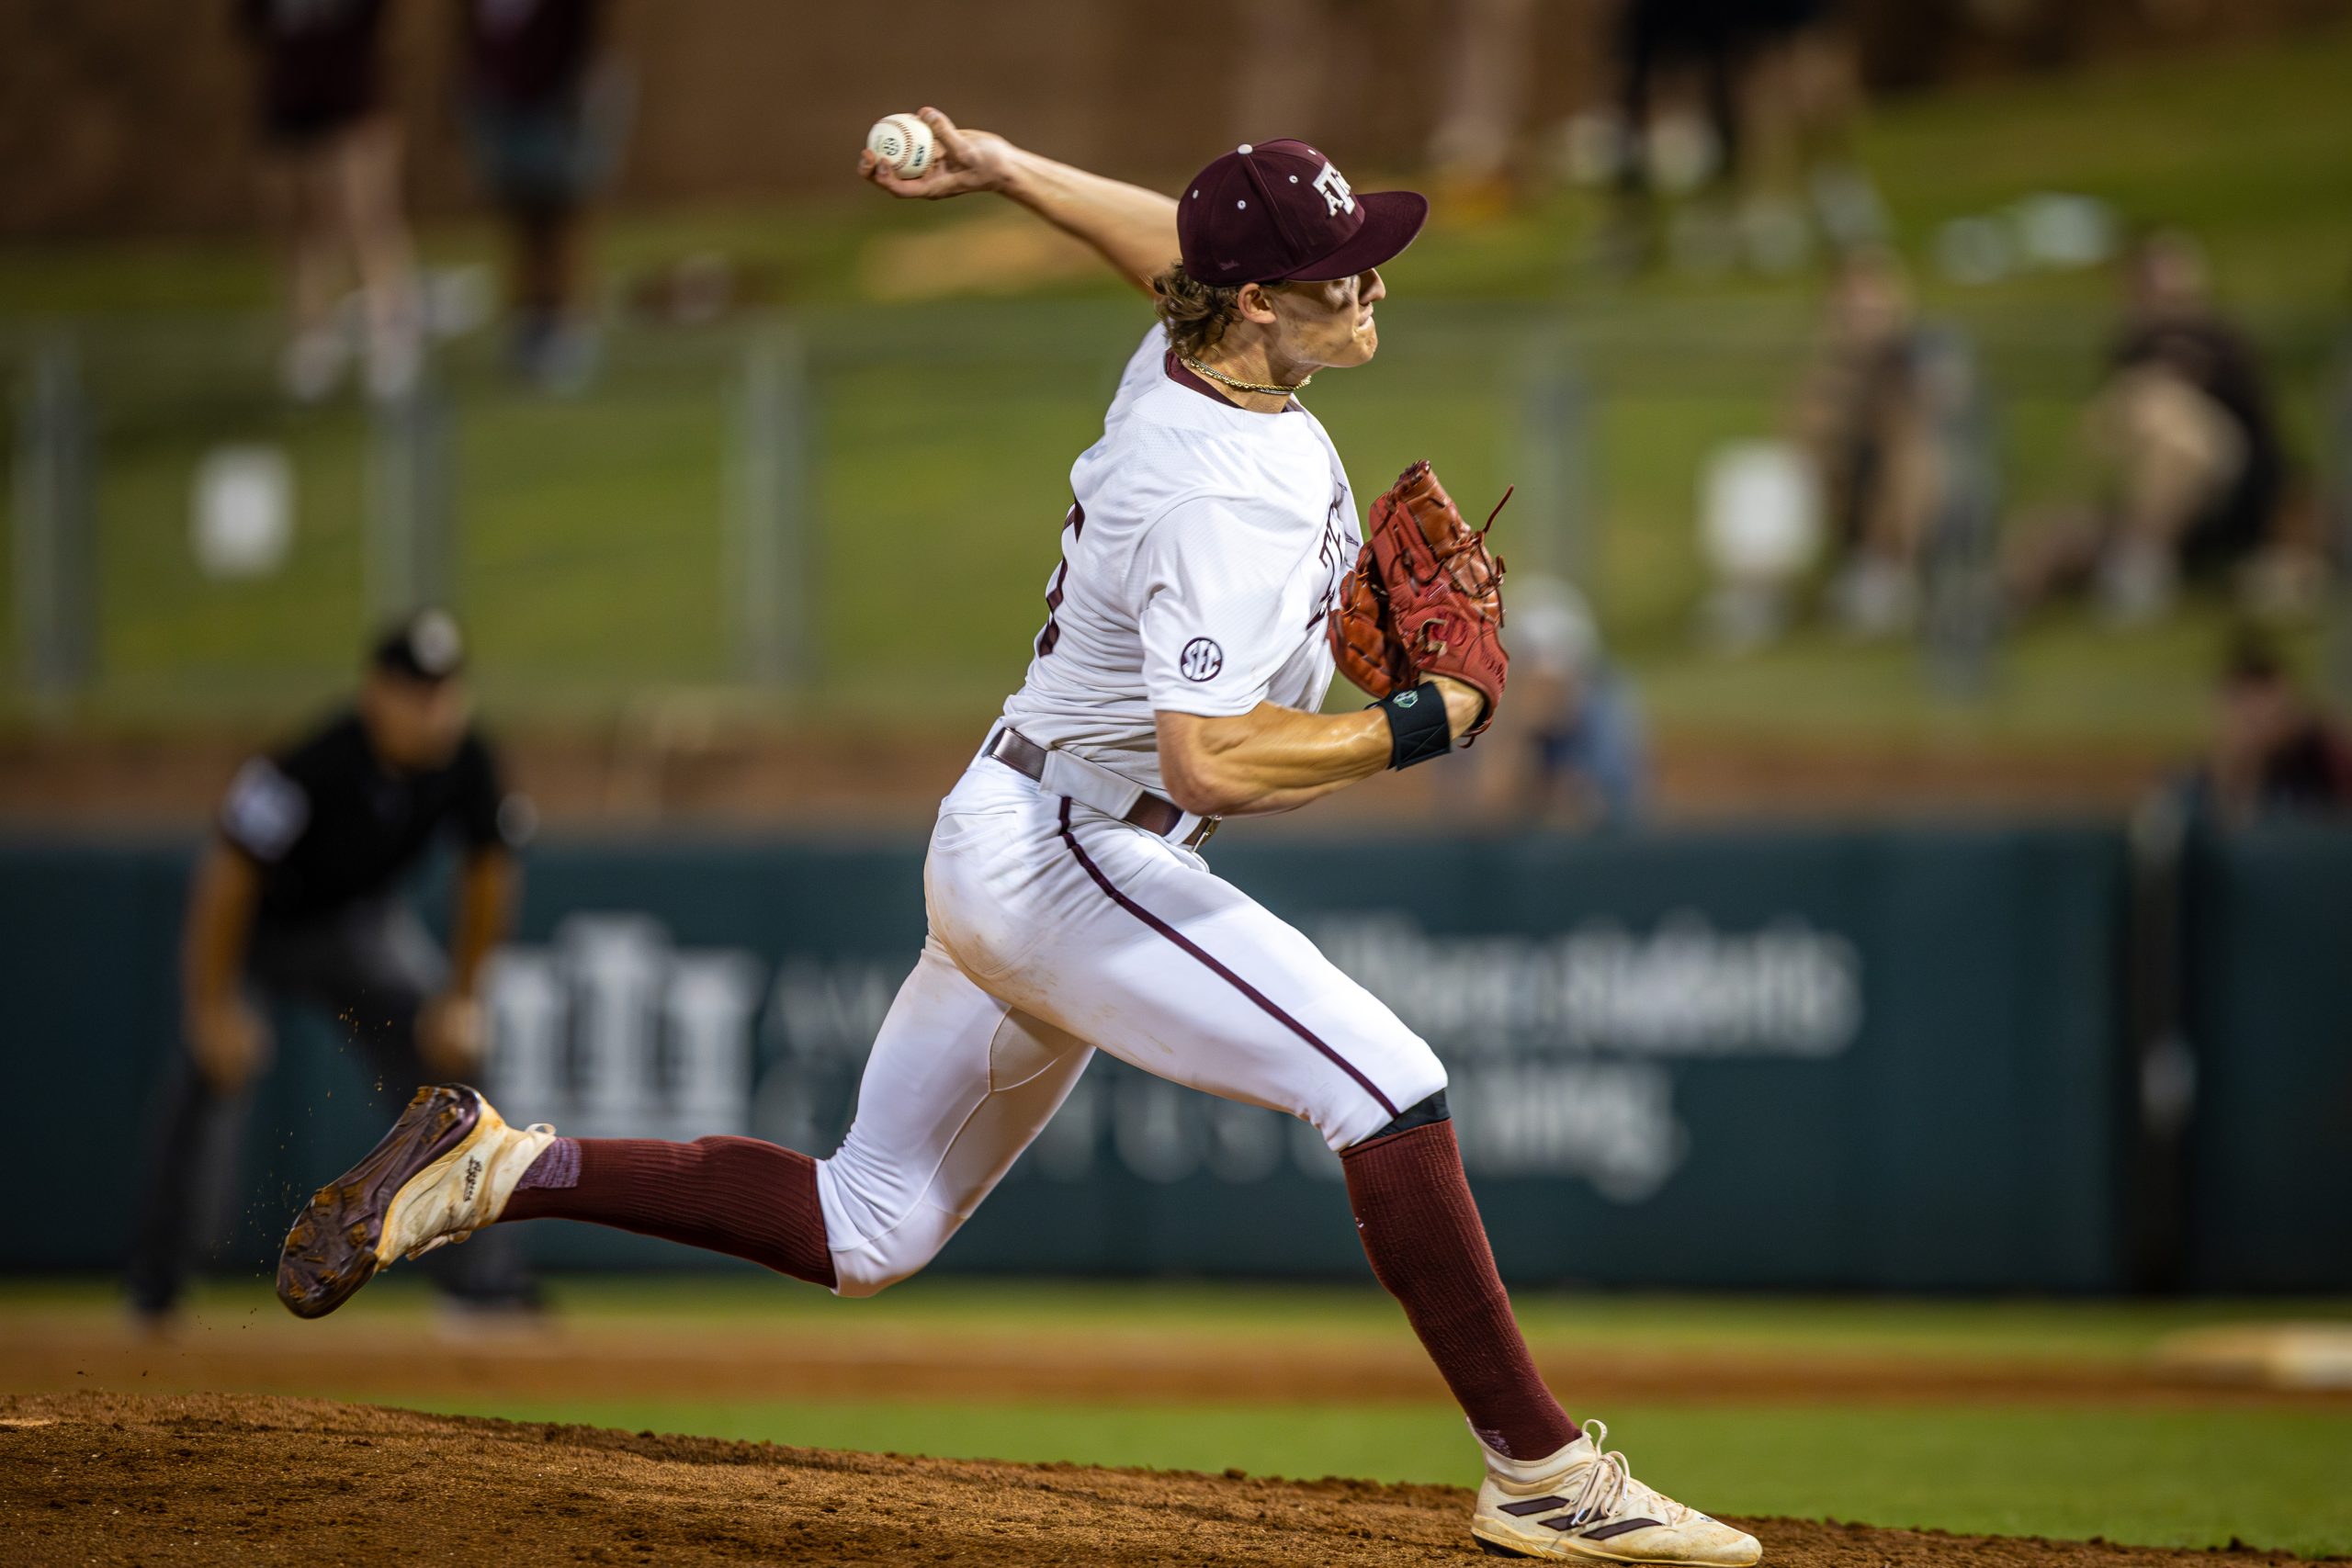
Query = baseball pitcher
x=1212 y=575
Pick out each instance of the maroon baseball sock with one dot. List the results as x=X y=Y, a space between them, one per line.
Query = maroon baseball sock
x=1421 y=1232
x=737 y=1195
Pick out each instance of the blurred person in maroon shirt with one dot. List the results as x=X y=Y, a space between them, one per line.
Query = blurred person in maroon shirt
x=545 y=115
x=2274 y=753
x=334 y=154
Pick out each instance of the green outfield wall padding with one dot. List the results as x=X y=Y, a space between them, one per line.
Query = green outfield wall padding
x=1886 y=1057
x=2270 y=965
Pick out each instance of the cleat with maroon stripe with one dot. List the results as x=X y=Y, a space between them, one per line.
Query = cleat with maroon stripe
x=1582 y=1505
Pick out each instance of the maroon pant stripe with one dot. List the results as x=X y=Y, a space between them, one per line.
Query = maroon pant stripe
x=1219 y=970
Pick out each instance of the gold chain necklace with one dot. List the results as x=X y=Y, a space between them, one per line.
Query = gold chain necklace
x=1220 y=376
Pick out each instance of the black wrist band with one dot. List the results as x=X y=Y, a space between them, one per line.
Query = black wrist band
x=1418 y=726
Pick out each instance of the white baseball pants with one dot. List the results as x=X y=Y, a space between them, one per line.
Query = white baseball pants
x=1056 y=930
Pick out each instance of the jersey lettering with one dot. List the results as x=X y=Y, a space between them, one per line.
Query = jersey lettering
x=1332 y=555
x=1075 y=520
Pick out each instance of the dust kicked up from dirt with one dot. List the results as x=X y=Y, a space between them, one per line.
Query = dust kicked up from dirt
x=207 y=1479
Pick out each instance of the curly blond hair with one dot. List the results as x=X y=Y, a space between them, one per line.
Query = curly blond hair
x=1196 y=314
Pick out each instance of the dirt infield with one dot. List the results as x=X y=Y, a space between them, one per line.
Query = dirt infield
x=204 y=1479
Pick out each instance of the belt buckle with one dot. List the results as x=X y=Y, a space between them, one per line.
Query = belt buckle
x=1203 y=833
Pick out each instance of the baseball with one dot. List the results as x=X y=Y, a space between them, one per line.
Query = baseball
x=903 y=141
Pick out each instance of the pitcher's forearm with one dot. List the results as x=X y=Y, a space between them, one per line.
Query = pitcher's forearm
x=1275 y=759
x=1134 y=229
x=1301 y=758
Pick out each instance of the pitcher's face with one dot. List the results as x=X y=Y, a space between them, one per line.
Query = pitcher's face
x=1329 y=324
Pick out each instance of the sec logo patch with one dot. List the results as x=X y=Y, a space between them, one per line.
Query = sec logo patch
x=1200 y=660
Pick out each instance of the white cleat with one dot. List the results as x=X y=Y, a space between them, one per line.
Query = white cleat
x=444 y=1170
x=1582 y=1505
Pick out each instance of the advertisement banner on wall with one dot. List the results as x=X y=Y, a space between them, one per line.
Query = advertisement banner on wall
x=1883 y=1057
x=1802 y=1061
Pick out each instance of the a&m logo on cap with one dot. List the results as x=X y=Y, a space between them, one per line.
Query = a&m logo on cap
x=1337 y=197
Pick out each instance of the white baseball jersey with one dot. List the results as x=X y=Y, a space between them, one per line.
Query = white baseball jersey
x=1203 y=549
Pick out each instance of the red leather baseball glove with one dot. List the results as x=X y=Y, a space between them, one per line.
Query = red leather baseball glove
x=1423 y=599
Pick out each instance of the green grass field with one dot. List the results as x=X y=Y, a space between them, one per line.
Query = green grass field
x=2174 y=1471
x=595 y=562
x=2009 y=1329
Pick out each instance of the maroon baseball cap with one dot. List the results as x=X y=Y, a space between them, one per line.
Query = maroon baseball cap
x=1276 y=211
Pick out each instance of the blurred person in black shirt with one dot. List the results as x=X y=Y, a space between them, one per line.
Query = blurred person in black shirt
x=2274 y=753
x=296 y=901
x=1802 y=97
x=2183 y=421
x=545 y=115
x=2188 y=420
x=1663 y=45
x=335 y=156
x=1778 y=89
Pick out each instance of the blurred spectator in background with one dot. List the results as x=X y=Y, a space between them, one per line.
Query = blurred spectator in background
x=545 y=117
x=1303 y=55
x=1571 y=750
x=1492 y=43
x=1865 y=421
x=334 y=156
x=2274 y=753
x=1749 y=106
x=1669 y=51
x=1801 y=100
x=297 y=902
x=2183 y=425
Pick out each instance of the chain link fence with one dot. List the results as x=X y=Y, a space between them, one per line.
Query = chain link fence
x=858 y=506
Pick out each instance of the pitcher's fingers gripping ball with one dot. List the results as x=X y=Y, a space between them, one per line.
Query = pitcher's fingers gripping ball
x=926 y=156
x=903 y=141
x=1424 y=598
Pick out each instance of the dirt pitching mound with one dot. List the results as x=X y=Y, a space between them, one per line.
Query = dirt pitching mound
x=235 y=1479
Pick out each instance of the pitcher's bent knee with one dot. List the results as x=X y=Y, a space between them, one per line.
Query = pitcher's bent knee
x=1405 y=1073
x=870 y=1266
x=876 y=1243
